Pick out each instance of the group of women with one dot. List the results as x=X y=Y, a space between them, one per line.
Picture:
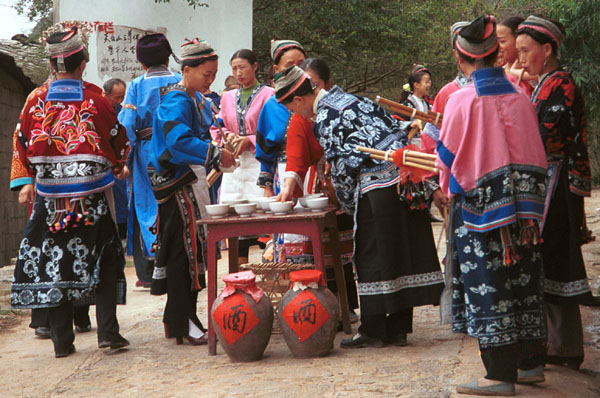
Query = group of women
x=514 y=272
x=279 y=134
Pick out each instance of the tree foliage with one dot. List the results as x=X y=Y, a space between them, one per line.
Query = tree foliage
x=34 y=9
x=371 y=45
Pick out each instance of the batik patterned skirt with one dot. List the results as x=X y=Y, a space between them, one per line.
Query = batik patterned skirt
x=498 y=304
x=55 y=267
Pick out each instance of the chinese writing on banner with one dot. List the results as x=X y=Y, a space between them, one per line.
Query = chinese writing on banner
x=116 y=52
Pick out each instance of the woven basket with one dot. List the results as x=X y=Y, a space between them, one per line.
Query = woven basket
x=273 y=278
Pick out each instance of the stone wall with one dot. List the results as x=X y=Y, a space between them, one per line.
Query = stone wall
x=6 y=274
x=12 y=215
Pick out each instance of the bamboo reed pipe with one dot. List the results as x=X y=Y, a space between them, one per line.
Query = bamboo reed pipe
x=370 y=150
x=423 y=155
x=422 y=167
x=412 y=133
x=427 y=163
x=430 y=117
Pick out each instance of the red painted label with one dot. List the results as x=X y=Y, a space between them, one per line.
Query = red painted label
x=305 y=315
x=235 y=318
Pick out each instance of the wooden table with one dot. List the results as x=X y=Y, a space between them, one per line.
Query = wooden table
x=300 y=221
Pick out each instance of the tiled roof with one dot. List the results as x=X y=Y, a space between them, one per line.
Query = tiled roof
x=31 y=58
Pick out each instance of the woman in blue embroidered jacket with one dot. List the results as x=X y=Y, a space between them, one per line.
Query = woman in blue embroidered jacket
x=395 y=254
x=181 y=138
x=271 y=133
x=562 y=123
x=141 y=101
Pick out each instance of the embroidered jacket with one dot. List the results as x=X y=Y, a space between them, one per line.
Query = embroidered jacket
x=20 y=174
x=137 y=115
x=490 y=153
x=562 y=123
x=239 y=118
x=271 y=136
x=303 y=151
x=181 y=138
x=345 y=121
x=70 y=138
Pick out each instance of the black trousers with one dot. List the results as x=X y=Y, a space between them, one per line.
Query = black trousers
x=61 y=317
x=386 y=326
x=502 y=363
x=181 y=300
x=144 y=267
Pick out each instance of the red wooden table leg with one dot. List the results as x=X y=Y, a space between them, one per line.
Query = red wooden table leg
x=233 y=253
x=316 y=227
x=212 y=291
x=340 y=279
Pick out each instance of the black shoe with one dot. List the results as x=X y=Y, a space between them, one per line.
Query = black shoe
x=399 y=340
x=65 y=352
x=83 y=329
x=360 y=341
x=42 y=332
x=115 y=344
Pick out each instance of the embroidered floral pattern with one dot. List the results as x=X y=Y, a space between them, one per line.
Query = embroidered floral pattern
x=562 y=121
x=497 y=304
x=342 y=123
x=64 y=126
x=54 y=253
x=62 y=266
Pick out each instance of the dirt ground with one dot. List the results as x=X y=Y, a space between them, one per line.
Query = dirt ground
x=433 y=363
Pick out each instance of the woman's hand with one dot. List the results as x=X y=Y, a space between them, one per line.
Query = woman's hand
x=227 y=159
x=229 y=136
x=26 y=195
x=416 y=124
x=327 y=169
x=440 y=200
x=241 y=144
x=269 y=192
x=288 y=190
x=123 y=174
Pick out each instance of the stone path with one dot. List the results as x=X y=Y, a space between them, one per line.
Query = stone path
x=435 y=361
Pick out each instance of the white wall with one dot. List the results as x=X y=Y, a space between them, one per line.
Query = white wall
x=225 y=24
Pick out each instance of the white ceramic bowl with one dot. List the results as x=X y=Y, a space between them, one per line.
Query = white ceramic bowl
x=317 y=204
x=245 y=209
x=280 y=208
x=232 y=203
x=265 y=203
x=302 y=200
x=261 y=203
x=217 y=211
